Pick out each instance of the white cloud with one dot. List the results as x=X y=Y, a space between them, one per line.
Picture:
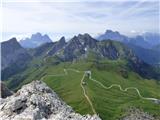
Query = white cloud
x=69 y=18
x=74 y=0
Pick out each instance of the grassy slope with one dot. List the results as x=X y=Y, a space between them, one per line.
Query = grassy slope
x=109 y=104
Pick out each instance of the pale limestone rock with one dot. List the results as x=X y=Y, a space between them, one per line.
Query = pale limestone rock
x=36 y=101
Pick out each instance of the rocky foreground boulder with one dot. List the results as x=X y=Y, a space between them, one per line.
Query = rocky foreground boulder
x=137 y=114
x=4 y=91
x=36 y=101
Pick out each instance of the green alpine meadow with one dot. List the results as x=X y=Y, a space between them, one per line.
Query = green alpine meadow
x=112 y=85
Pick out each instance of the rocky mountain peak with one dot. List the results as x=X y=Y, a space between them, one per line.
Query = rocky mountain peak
x=36 y=101
x=13 y=54
x=110 y=31
x=12 y=42
x=113 y=35
x=84 y=36
x=57 y=46
x=35 y=40
x=39 y=36
x=36 y=34
x=62 y=40
x=84 y=40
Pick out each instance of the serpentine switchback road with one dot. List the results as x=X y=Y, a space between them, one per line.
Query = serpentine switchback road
x=103 y=86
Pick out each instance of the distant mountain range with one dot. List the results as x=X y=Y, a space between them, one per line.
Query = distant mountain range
x=35 y=40
x=145 y=46
x=111 y=35
x=15 y=58
x=79 y=47
x=156 y=47
x=146 y=40
x=63 y=65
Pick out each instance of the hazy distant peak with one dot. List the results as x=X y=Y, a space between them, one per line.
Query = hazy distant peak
x=11 y=42
x=13 y=39
x=62 y=39
x=112 y=35
x=35 y=40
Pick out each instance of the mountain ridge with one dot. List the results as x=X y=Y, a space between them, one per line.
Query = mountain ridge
x=110 y=62
x=140 y=44
x=145 y=40
x=14 y=58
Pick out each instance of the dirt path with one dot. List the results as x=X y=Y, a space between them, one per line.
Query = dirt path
x=86 y=96
x=123 y=90
x=105 y=87
x=81 y=84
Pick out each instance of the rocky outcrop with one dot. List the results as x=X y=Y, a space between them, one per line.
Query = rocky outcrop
x=4 y=92
x=136 y=114
x=11 y=51
x=14 y=58
x=78 y=46
x=36 y=101
x=57 y=46
x=42 y=50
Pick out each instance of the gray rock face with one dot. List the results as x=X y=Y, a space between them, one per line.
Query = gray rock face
x=136 y=114
x=36 y=101
x=78 y=46
x=11 y=51
x=14 y=57
x=4 y=91
x=157 y=101
x=57 y=46
x=42 y=49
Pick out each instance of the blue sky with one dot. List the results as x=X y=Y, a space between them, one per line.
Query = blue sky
x=68 y=18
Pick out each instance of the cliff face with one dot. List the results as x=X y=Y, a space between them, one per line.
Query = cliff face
x=14 y=58
x=12 y=52
x=36 y=101
x=4 y=91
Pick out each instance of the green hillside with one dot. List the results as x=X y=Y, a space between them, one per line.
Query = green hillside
x=109 y=104
x=118 y=79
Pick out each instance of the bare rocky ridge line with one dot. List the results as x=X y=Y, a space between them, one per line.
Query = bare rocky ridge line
x=36 y=101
